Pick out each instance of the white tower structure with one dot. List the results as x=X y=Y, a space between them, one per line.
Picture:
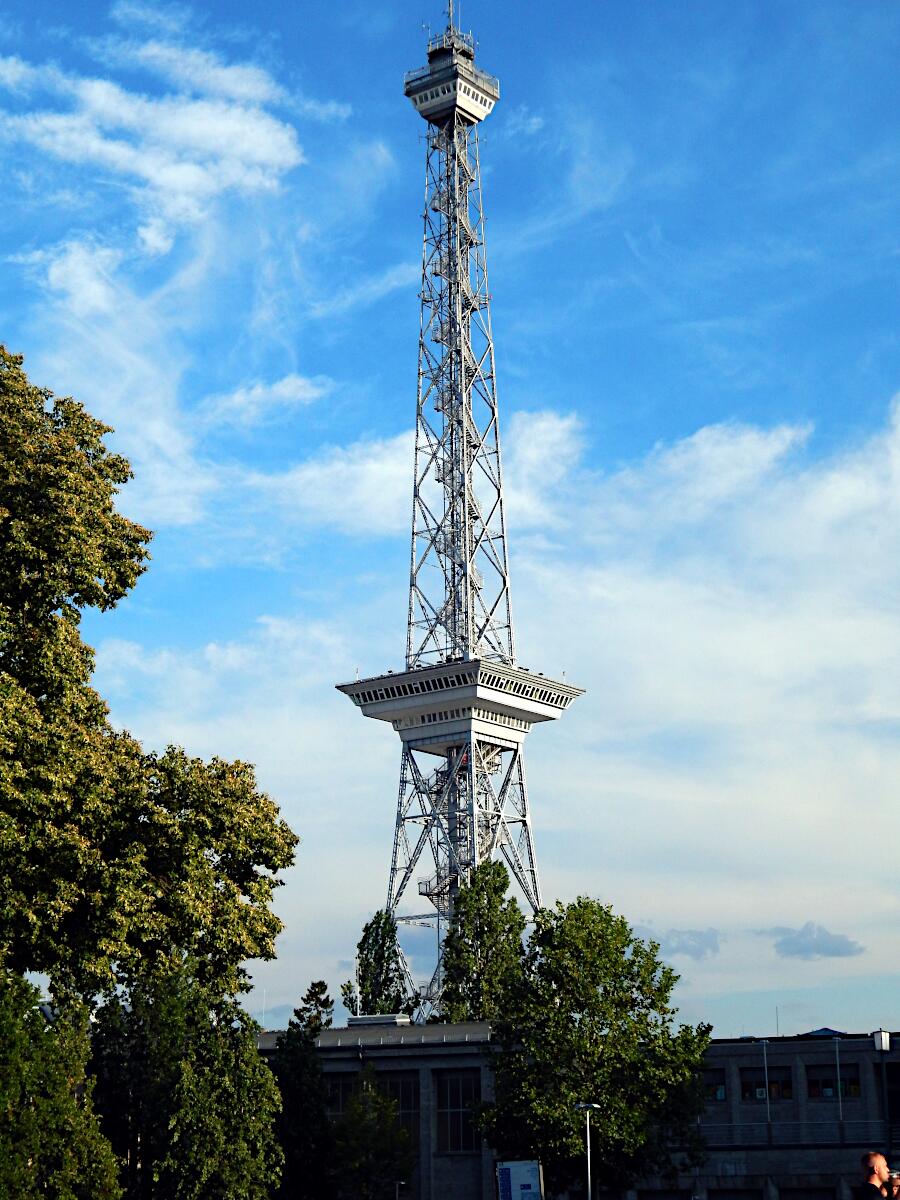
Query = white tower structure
x=462 y=706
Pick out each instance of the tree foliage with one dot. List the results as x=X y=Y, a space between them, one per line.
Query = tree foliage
x=483 y=947
x=107 y=855
x=380 y=974
x=63 y=547
x=146 y=878
x=590 y=1021
x=205 y=845
x=303 y=1128
x=183 y=1095
x=50 y=1142
x=372 y=1149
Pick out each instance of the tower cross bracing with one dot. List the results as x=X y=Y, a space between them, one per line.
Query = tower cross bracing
x=462 y=707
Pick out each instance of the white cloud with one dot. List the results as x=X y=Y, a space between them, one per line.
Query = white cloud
x=165 y=18
x=597 y=170
x=367 y=291
x=155 y=236
x=364 y=488
x=201 y=71
x=113 y=349
x=522 y=122
x=742 y=704
x=728 y=603
x=541 y=449
x=83 y=274
x=256 y=402
x=15 y=74
x=180 y=151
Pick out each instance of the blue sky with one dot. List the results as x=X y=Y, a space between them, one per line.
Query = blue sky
x=211 y=235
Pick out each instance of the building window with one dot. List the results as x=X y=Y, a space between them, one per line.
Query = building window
x=457 y=1094
x=400 y=1086
x=338 y=1090
x=714 y=1085
x=403 y=1088
x=822 y=1082
x=753 y=1084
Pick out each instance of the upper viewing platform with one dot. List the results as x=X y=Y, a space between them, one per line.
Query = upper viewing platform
x=451 y=83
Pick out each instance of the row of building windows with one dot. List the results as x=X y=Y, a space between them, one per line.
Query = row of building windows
x=822 y=1082
x=456 y=1093
x=445 y=90
x=455 y=714
x=393 y=691
x=520 y=688
x=515 y=686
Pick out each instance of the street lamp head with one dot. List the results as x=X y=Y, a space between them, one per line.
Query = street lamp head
x=882 y=1040
x=587 y=1105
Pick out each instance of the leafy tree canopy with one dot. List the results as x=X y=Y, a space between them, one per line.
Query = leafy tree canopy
x=50 y=1143
x=590 y=1021
x=483 y=947
x=63 y=546
x=108 y=855
x=304 y=1130
x=380 y=973
x=315 y=1011
x=184 y=1097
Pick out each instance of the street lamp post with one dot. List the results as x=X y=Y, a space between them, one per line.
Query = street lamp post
x=883 y=1045
x=587 y=1141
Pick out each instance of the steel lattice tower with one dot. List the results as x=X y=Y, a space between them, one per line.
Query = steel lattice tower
x=461 y=698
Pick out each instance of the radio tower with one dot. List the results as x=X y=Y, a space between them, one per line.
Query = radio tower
x=462 y=707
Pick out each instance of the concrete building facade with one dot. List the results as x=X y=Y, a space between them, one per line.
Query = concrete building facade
x=786 y=1118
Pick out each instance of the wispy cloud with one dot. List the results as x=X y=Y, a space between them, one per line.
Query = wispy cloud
x=112 y=347
x=166 y=18
x=367 y=291
x=195 y=70
x=361 y=489
x=542 y=449
x=257 y=402
x=179 y=152
x=522 y=122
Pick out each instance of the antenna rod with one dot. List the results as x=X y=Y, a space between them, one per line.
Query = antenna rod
x=450 y=15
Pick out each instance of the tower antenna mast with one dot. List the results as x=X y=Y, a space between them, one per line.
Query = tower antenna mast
x=462 y=706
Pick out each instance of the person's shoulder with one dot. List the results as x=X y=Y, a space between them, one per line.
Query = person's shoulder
x=869 y=1191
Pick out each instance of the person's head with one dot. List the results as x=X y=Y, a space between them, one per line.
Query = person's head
x=875 y=1167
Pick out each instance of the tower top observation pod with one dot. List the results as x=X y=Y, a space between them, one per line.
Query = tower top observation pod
x=451 y=83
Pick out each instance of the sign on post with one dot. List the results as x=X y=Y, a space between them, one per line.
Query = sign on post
x=520 y=1181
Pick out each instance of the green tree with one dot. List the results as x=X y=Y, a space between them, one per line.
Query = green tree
x=146 y=878
x=590 y=1021
x=315 y=1011
x=372 y=1149
x=483 y=947
x=303 y=1128
x=205 y=846
x=50 y=1142
x=108 y=856
x=63 y=547
x=184 y=1097
x=381 y=977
